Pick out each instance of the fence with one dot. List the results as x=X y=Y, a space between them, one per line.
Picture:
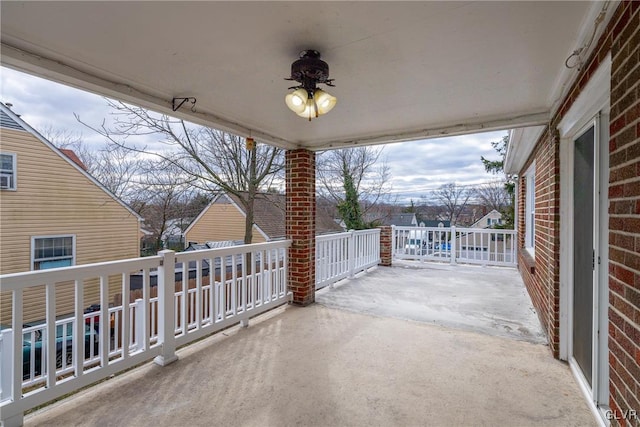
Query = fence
x=344 y=255
x=484 y=246
x=198 y=293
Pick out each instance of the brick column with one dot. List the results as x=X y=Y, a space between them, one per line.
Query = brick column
x=386 y=248
x=301 y=224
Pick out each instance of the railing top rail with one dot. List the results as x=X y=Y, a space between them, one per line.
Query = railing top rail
x=324 y=237
x=231 y=250
x=462 y=229
x=415 y=228
x=27 y=279
x=368 y=231
x=486 y=230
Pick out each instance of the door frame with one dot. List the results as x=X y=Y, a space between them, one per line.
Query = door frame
x=591 y=108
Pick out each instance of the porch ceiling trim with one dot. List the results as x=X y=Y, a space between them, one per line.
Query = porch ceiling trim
x=56 y=70
x=59 y=71
x=521 y=144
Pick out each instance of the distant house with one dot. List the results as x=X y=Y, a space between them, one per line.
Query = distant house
x=490 y=220
x=224 y=219
x=479 y=245
x=54 y=214
x=403 y=220
x=434 y=223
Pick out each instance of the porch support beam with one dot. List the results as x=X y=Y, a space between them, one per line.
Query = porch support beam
x=301 y=224
x=103 y=83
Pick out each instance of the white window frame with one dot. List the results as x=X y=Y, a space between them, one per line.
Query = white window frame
x=57 y=236
x=530 y=210
x=13 y=172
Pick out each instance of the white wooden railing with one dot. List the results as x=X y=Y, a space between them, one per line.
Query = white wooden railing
x=198 y=293
x=484 y=246
x=344 y=255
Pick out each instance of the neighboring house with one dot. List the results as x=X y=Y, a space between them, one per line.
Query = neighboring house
x=482 y=245
x=578 y=218
x=435 y=223
x=224 y=219
x=403 y=220
x=490 y=220
x=54 y=214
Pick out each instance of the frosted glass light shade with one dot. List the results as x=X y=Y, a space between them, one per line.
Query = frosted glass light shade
x=309 y=111
x=324 y=101
x=297 y=100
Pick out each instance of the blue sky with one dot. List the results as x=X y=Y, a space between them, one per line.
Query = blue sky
x=417 y=167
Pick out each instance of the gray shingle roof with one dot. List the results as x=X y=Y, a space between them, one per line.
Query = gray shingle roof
x=269 y=215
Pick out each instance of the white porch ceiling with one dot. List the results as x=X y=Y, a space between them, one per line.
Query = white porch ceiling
x=403 y=70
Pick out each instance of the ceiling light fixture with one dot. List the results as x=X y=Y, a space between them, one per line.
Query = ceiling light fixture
x=307 y=100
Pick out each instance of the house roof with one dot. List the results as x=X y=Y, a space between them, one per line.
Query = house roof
x=10 y=120
x=402 y=220
x=482 y=222
x=435 y=223
x=73 y=156
x=269 y=215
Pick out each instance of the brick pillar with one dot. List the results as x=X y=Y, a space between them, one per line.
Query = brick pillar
x=301 y=224
x=386 y=248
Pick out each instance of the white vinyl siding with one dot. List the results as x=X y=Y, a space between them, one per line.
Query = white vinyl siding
x=7 y=171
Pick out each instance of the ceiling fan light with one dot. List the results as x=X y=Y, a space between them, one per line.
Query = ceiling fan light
x=309 y=111
x=297 y=100
x=325 y=101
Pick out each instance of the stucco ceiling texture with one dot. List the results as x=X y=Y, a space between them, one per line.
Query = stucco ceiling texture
x=403 y=70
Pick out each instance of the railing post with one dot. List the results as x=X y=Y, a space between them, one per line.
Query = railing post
x=166 y=313
x=140 y=324
x=394 y=242
x=453 y=244
x=351 y=253
x=6 y=351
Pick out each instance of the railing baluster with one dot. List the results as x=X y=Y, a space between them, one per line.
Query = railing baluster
x=147 y=313
x=125 y=333
x=79 y=329
x=223 y=287
x=198 y=294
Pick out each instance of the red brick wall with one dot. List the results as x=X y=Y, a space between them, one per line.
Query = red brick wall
x=542 y=274
x=622 y=39
x=624 y=213
x=300 y=221
x=386 y=250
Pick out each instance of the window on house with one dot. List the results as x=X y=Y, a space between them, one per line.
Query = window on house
x=530 y=205
x=53 y=252
x=7 y=171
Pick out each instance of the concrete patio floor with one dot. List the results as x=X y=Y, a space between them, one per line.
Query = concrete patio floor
x=491 y=300
x=322 y=366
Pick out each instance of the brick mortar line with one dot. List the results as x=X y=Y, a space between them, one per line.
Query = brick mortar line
x=622 y=265
x=620 y=67
x=623 y=216
x=625 y=233
x=625 y=181
x=635 y=160
x=628 y=126
x=624 y=350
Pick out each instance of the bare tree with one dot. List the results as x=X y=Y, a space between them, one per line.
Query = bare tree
x=356 y=179
x=493 y=195
x=453 y=199
x=162 y=197
x=207 y=159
